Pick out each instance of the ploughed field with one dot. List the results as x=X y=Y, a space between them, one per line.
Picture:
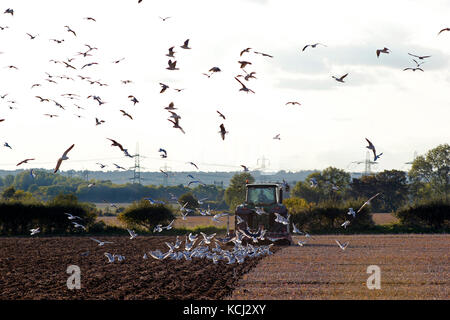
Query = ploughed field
x=35 y=268
x=411 y=267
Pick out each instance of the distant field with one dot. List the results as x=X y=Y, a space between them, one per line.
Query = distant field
x=412 y=267
x=384 y=218
x=190 y=222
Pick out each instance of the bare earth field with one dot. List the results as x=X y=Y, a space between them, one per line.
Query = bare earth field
x=384 y=218
x=412 y=267
x=35 y=268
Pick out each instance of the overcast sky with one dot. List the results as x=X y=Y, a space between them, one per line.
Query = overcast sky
x=399 y=111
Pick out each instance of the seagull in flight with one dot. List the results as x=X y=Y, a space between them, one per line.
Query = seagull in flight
x=164 y=152
x=132 y=234
x=24 y=161
x=70 y=30
x=172 y=65
x=222 y=131
x=119 y=167
x=98 y=122
x=164 y=87
x=245 y=168
x=7 y=145
x=90 y=18
x=34 y=231
x=280 y=219
x=384 y=50
x=191 y=163
x=445 y=29
x=171 y=53
x=277 y=137
x=164 y=19
x=244 y=63
x=342 y=245
x=351 y=212
x=10 y=11
x=63 y=157
x=185 y=45
x=126 y=114
x=31 y=36
x=368 y=201
x=263 y=54
x=245 y=50
x=176 y=124
x=413 y=69
x=293 y=103
x=372 y=147
x=116 y=144
x=244 y=88
x=312 y=46
x=101 y=243
x=345 y=224
x=77 y=225
x=341 y=79
x=72 y=217
x=419 y=57
x=220 y=114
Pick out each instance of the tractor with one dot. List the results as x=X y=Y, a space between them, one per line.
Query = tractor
x=262 y=201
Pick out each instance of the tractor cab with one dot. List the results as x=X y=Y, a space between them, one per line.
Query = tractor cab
x=262 y=201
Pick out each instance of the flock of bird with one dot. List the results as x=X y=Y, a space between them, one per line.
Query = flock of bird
x=240 y=252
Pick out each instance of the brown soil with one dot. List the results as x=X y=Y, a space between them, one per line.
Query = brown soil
x=35 y=268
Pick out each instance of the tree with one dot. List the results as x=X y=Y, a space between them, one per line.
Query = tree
x=147 y=215
x=332 y=184
x=432 y=173
x=235 y=193
x=192 y=202
x=8 y=193
x=394 y=188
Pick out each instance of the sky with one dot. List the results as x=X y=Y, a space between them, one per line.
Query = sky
x=401 y=112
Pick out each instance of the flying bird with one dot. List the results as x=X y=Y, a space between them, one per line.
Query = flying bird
x=420 y=57
x=31 y=36
x=185 y=45
x=176 y=124
x=126 y=114
x=70 y=30
x=277 y=137
x=10 y=11
x=171 y=53
x=293 y=103
x=133 y=99
x=222 y=131
x=244 y=63
x=90 y=18
x=245 y=168
x=263 y=54
x=445 y=29
x=24 y=161
x=341 y=79
x=34 y=231
x=164 y=153
x=221 y=115
x=312 y=46
x=172 y=65
x=98 y=122
x=116 y=144
x=368 y=201
x=89 y=64
x=163 y=19
x=164 y=87
x=244 y=88
x=372 y=147
x=384 y=50
x=342 y=245
x=413 y=69
x=214 y=69
x=101 y=243
x=119 y=167
x=63 y=157
x=191 y=163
